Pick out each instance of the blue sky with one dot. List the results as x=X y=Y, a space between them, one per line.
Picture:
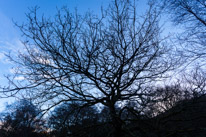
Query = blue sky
x=15 y=10
x=10 y=37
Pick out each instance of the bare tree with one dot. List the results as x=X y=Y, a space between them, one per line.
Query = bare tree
x=91 y=59
x=195 y=82
x=164 y=98
x=190 y=14
x=179 y=110
x=191 y=85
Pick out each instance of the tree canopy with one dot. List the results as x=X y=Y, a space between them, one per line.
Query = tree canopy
x=76 y=63
x=96 y=60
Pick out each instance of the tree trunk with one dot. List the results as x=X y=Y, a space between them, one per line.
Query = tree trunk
x=118 y=131
x=117 y=123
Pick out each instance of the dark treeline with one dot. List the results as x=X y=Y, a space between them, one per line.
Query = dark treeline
x=104 y=75
x=171 y=111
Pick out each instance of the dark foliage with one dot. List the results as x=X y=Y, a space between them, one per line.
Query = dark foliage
x=70 y=119
x=187 y=119
x=21 y=119
x=184 y=116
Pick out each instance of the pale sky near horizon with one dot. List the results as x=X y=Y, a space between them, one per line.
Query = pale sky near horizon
x=10 y=36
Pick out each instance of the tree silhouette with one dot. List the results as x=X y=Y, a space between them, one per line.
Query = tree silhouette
x=104 y=60
x=22 y=119
x=69 y=119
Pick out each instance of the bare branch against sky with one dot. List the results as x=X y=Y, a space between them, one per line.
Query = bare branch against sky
x=107 y=59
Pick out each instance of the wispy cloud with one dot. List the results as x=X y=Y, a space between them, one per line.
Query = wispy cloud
x=9 y=38
x=9 y=44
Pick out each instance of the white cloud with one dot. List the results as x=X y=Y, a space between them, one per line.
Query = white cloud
x=19 y=78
